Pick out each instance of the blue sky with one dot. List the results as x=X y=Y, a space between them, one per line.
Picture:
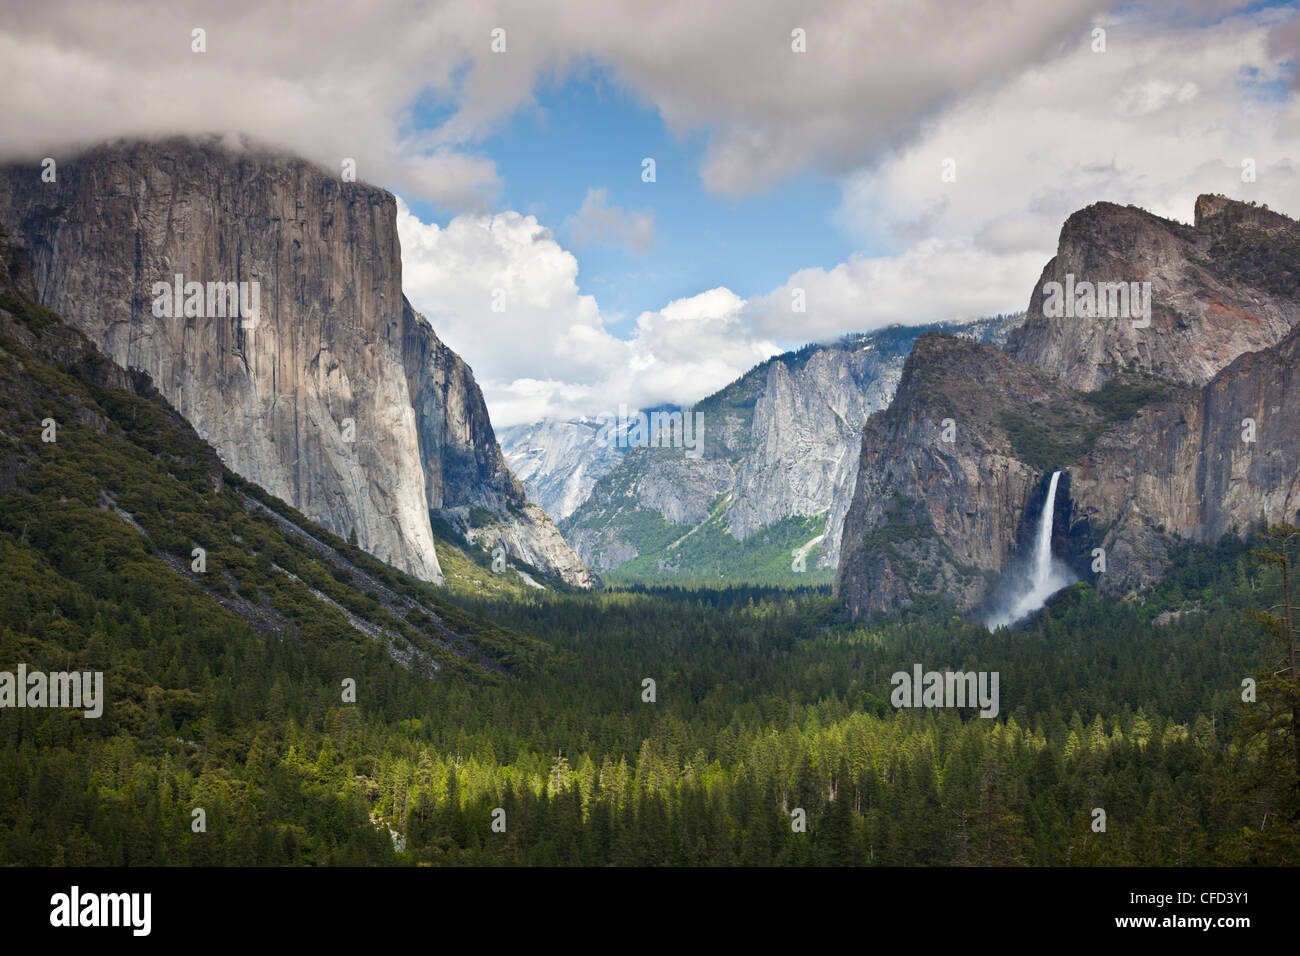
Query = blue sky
x=589 y=132
x=816 y=176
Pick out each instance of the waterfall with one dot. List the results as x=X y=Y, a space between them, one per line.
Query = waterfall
x=1043 y=547
x=1044 y=576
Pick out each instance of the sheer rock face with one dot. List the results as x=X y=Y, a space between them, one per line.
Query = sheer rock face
x=559 y=462
x=15 y=272
x=780 y=441
x=807 y=428
x=803 y=437
x=335 y=394
x=941 y=492
x=463 y=464
x=930 y=517
x=1186 y=469
x=1227 y=285
x=464 y=468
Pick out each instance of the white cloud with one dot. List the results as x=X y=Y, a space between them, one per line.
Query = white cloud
x=692 y=347
x=932 y=281
x=1159 y=118
x=872 y=76
x=721 y=304
x=598 y=223
x=1037 y=124
x=548 y=353
x=335 y=79
x=327 y=81
x=338 y=79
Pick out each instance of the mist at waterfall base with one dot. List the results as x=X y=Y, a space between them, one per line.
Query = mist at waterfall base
x=1027 y=586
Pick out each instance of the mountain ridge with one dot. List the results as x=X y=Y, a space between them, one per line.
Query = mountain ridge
x=779 y=457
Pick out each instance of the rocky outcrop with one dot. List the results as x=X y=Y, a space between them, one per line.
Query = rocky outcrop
x=463 y=465
x=781 y=442
x=942 y=484
x=803 y=454
x=335 y=396
x=1227 y=285
x=15 y=273
x=778 y=442
x=467 y=480
x=1148 y=424
x=1222 y=459
x=559 y=462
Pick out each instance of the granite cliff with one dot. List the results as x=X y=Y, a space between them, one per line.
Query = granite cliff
x=1218 y=288
x=559 y=461
x=1182 y=428
x=766 y=498
x=334 y=394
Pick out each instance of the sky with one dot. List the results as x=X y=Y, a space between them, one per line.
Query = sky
x=892 y=161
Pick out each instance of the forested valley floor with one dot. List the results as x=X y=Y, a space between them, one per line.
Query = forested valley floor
x=287 y=699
